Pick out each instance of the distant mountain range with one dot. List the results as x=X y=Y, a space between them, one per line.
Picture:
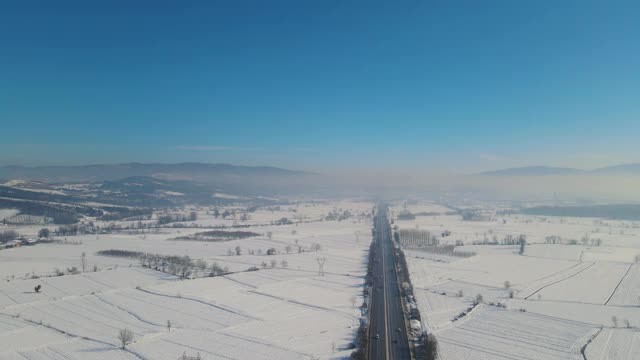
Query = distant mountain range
x=181 y=171
x=624 y=169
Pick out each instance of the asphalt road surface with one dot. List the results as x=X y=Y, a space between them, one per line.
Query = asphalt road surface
x=387 y=331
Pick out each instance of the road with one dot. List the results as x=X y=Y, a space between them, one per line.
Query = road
x=386 y=341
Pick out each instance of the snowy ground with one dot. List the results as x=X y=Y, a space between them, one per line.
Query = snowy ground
x=561 y=298
x=275 y=313
x=7 y=213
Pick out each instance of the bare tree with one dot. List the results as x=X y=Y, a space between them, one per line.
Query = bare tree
x=43 y=233
x=238 y=251
x=201 y=265
x=287 y=249
x=614 y=321
x=83 y=261
x=321 y=262
x=430 y=346
x=274 y=263
x=269 y=234
x=284 y=263
x=184 y=267
x=215 y=270
x=523 y=241
x=169 y=325
x=125 y=336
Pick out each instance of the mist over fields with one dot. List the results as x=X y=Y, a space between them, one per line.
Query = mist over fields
x=533 y=183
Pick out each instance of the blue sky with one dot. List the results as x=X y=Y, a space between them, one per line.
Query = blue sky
x=329 y=85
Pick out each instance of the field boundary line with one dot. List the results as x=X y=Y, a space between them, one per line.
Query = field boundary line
x=617 y=286
x=215 y=306
x=558 y=281
x=583 y=349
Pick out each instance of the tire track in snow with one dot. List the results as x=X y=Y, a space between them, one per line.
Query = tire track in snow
x=8 y=297
x=239 y=282
x=197 y=349
x=548 y=276
x=64 y=293
x=102 y=312
x=13 y=325
x=91 y=320
x=219 y=307
x=172 y=309
x=109 y=287
x=312 y=306
x=59 y=352
x=263 y=343
x=72 y=335
x=482 y=349
x=531 y=333
x=316 y=307
x=509 y=342
x=136 y=316
x=558 y=281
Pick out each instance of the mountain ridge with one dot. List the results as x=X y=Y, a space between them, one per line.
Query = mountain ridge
x=541 y=170
x=102 y=172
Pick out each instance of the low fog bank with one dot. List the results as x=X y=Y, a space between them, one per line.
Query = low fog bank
x=198 y=178
x=597 y=188
x=575 y=188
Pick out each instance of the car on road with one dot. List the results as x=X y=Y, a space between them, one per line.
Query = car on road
x=377 y=336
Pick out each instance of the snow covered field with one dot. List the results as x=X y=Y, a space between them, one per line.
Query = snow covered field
x=277 y=312
x=558 y=299
x=492 y=333
x=7 y=213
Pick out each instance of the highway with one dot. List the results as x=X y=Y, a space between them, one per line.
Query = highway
x=387 y=330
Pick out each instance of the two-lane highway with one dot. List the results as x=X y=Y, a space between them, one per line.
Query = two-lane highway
x=387 y=330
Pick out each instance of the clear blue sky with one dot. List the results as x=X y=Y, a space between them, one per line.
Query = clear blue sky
x=332 y=84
